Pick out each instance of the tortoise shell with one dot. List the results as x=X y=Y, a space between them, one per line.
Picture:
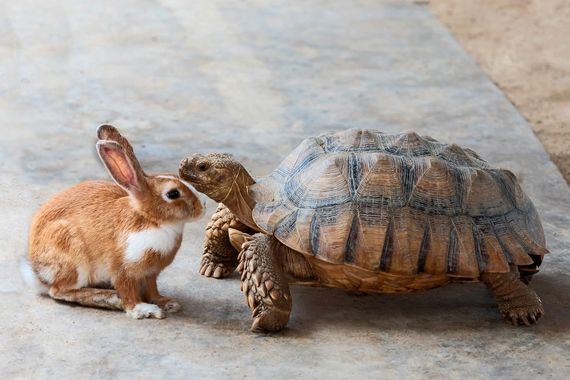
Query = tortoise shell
x=402 y=204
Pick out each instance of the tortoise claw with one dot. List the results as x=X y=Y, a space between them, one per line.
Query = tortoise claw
x=216 y=269
x=533 y=318
x=523 y=316
x=524 y=320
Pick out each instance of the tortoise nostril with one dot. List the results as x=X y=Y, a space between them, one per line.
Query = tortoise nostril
x=184 y=162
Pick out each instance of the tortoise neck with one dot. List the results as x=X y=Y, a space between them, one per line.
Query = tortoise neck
x=238 y=200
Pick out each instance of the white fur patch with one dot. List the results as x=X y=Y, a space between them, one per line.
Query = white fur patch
x=30 y=277
x=45 y=273
x=82 y=277
x=100 y=274
x=161 y=239
x=167 y=177
x=146 y=310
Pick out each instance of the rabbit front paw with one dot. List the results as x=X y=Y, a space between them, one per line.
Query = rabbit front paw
x=146 y=310
x=172 y=306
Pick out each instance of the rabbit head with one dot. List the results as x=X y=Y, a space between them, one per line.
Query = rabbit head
x=163 y=198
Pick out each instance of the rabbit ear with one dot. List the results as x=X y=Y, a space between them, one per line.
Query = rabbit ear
x=121 y=167
x=107 y=132
x=110 y=133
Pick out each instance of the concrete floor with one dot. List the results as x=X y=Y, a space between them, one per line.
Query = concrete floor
x=253 y=78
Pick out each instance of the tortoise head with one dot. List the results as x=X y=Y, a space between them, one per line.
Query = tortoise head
x=213 y=174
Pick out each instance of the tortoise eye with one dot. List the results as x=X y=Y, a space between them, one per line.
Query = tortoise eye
x=173 y=194
x=203 y=166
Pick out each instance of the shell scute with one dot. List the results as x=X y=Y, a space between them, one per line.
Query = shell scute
x=361 y=140
x=511 y=188
x=294 y=229
x=383 y=182
x=330 y=231
x=487 y=195
x=412 y=144
x=459 y=156
x=462 y=261
x=372 y=227
x=441 y=189
x=407 y=232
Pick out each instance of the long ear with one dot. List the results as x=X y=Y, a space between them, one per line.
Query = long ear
x=120 y=166
x=237 y=238
x=110 y=133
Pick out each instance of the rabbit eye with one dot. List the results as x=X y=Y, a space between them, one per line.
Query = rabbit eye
x=203 y=166
x=173 y=194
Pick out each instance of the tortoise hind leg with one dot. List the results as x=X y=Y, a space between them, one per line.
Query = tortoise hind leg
x=264 y=284
x=518 y=303
x=220 y=258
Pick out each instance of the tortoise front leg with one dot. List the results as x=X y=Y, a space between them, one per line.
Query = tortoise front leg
x=263 y=281
x=220 y=258
x=518 y=303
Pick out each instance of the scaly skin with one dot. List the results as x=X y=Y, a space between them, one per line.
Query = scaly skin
x=518 y=303
x=220 y=258
x=264 y=284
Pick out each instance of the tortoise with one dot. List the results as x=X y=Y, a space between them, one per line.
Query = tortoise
x=371 y=212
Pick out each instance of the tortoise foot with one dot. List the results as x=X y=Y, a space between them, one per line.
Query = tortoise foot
x=267 y=319
x=522 y=311
x=518 y=304
x=210 y=267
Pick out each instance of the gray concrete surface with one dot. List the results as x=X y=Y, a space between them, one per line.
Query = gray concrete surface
x=253 y=78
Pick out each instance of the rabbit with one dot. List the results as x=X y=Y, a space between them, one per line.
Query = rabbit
x=103 y=244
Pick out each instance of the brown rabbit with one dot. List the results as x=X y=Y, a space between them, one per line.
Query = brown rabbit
x=103 y=244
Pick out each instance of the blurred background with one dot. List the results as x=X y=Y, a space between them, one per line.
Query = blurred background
x=524 y=47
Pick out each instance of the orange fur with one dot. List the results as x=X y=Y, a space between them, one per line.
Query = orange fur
x=79 y=239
